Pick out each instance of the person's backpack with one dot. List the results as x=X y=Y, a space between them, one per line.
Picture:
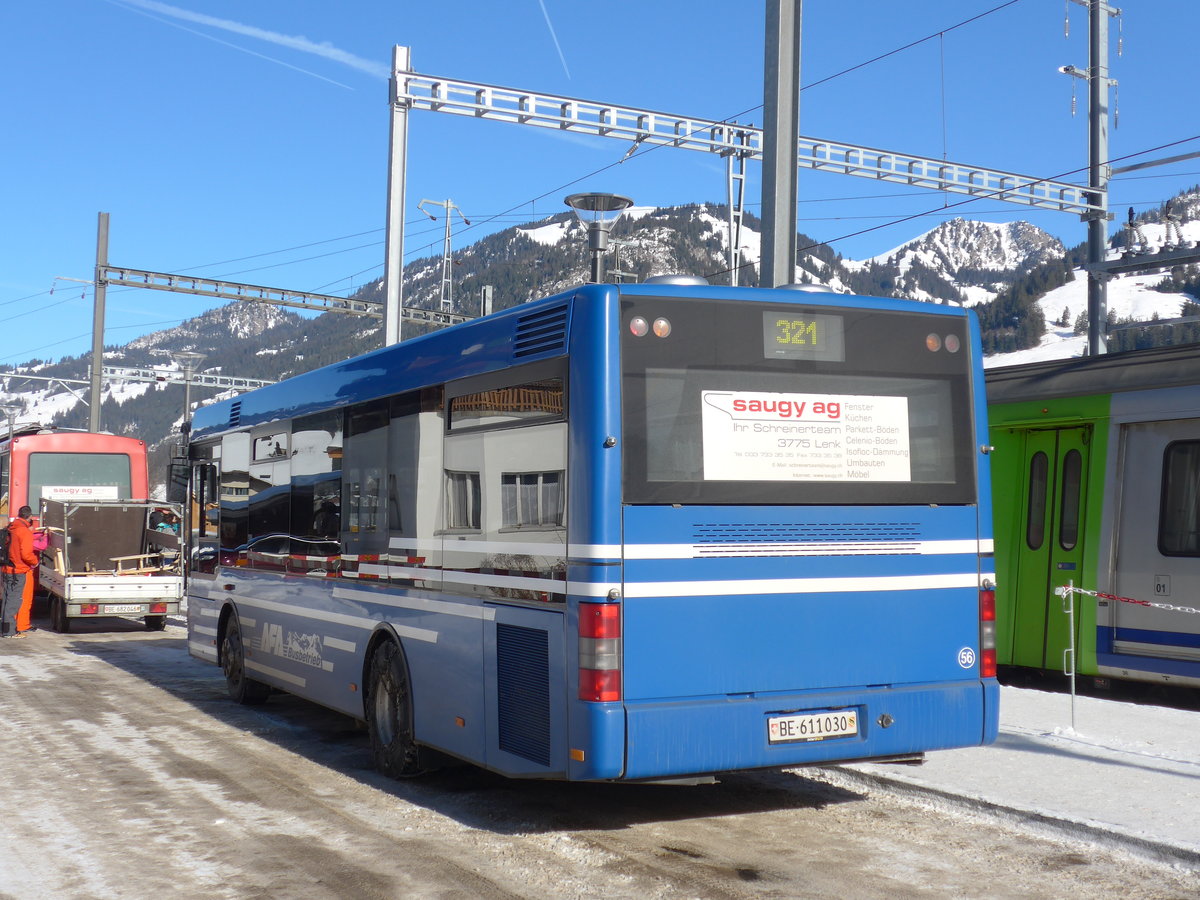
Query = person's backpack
x=5 y=545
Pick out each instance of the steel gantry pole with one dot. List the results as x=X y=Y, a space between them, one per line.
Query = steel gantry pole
x=1097 y=222
x=781 y=116
x=98 y=296
x=393 y=269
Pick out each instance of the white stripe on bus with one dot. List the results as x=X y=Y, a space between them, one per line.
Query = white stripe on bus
x=519 y=582
x=421 y=604
x=878 y=584
x=339 y=644
x=255 y=666
x=418 y=634
x=687 y=551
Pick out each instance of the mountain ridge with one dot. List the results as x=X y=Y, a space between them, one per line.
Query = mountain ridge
x=1002 y=270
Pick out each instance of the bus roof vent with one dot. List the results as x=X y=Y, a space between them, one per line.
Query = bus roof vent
x=541 y=331
x=676 y=279
x=808 y=288
x=235 y=414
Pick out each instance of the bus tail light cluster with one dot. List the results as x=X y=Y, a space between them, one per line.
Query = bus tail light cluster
x=987 y=630
x=600 y=651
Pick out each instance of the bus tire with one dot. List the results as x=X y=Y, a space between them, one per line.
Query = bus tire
x=389 y=714
x=58 y=615
x=242 y=689
x=156 y=623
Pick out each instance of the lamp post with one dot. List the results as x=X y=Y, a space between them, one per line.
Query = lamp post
x=598 y=212
x=189 y=361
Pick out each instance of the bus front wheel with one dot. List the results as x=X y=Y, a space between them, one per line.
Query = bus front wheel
x=233 y=663
x=389 y=714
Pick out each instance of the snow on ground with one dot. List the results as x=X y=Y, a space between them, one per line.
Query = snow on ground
x=547 y=235
x=1102 y=765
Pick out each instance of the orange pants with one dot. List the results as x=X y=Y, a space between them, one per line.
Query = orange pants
x=23 y=614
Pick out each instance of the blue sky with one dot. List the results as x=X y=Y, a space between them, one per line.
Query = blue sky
x=248 y=140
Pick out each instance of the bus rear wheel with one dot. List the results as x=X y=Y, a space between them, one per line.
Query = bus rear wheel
x=389 y=714
x=241 y=689
x=155 y=623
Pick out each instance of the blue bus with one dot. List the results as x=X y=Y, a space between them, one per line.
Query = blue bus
x=636 y=532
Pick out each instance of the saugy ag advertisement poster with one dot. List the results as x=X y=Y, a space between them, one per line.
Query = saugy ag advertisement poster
x=755 y=436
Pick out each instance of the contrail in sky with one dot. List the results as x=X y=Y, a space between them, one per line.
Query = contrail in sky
x=293 y=42
x=554 y=37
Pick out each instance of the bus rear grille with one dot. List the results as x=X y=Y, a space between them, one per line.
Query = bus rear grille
x=544 y=331
x=235 y=413
x=523 y=692
x=815 y=539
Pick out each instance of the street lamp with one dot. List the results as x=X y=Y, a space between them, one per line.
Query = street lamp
x=189 y=361
x=598 y=212
x=10 y=412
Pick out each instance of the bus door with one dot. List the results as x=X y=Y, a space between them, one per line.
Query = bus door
x=1050 y=547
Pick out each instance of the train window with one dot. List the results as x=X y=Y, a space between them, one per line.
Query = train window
x=1035 y=527
x=1179 y=510
x=1068 y=519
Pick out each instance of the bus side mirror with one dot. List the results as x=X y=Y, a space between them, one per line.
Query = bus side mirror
x=177 y=483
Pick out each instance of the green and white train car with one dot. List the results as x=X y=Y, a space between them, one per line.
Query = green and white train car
x=1096 y=482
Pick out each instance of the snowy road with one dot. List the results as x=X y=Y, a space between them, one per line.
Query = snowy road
x=129 y=774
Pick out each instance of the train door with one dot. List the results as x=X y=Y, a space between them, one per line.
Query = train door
x=1157 y=554
x=1052 y=542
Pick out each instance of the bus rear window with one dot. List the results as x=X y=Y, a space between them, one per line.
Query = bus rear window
x=743 y=404
x=78 y=476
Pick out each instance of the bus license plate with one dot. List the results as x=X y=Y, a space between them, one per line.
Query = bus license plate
x=118 y=609
x=812 y=726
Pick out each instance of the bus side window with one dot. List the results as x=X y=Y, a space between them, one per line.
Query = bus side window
x=505 y=475
x=316 y=491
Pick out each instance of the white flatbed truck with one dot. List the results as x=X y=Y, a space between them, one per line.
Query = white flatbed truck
x=104 y=559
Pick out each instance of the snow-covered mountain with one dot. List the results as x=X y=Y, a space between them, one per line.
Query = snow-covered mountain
x=979 y=259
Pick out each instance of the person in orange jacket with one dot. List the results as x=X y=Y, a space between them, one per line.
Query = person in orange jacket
x=41 y=540
x=17 y=571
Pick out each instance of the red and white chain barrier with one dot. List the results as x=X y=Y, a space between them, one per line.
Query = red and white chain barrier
x=1067 y=589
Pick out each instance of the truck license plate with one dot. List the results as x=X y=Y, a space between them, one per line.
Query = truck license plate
x=116 y=609
x=818 y=726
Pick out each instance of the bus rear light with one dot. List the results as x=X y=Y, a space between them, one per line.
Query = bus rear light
x=987 y=664
x=987 y=631
x=987 y=605
x=89 y=609
x=599 y=652
x=599 y=686
x=599 y=620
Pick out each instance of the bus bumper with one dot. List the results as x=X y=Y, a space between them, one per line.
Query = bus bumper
x=710 y=735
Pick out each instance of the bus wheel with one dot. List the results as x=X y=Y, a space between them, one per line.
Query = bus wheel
x=156 y=623
x=233 y=663
x=58 y=615
x=389 y=714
